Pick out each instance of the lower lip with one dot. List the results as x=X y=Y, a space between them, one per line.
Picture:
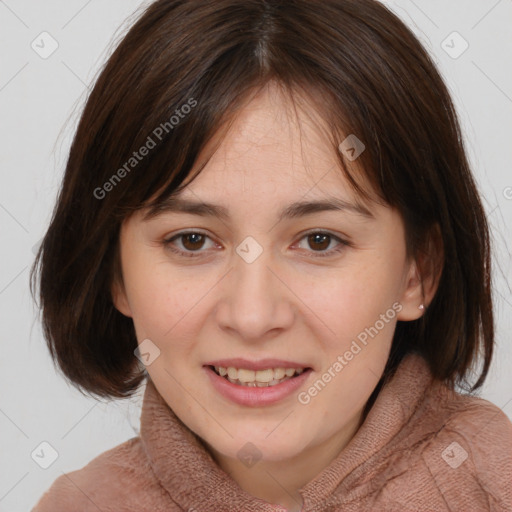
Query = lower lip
x=254 y=396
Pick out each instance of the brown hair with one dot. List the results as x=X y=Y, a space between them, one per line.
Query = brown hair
x=374 y=79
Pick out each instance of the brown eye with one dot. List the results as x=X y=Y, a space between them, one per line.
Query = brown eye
x=190 y=243
x=193 y=241
x=319 y=241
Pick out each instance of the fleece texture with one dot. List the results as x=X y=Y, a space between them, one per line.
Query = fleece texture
x=422 y=447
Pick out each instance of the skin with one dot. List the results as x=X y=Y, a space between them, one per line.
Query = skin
x=216 y=305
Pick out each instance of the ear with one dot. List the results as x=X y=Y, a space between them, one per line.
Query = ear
x=423 y=277
x=119 y=297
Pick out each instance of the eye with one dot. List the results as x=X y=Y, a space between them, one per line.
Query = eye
x=320 y=240
x=193 y=241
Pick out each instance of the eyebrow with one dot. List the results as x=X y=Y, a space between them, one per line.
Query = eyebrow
x=294 y=210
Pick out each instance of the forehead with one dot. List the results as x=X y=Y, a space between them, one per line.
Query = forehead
x=274 y=159
x=273 y=148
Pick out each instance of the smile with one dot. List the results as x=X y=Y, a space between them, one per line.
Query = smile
x=261 y=378
x=256 y=388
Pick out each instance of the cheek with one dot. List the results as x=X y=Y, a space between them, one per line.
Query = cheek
x=160 y=298
x=171 y=311
x=352 y=299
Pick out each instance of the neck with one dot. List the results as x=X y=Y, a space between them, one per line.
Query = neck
x=279 y=482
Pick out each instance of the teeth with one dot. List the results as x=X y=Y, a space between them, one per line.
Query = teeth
x=260 y=378
x=264 y=375
x=246 y=375
x=279 y=373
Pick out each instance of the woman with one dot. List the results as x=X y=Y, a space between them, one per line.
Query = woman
x=268 y=216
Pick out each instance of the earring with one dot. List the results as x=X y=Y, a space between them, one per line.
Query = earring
x=421 y=306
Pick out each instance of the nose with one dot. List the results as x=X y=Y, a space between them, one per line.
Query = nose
x=255 y=301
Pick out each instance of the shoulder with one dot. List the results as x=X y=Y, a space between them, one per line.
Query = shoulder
x=469 y=451
x=115 y=480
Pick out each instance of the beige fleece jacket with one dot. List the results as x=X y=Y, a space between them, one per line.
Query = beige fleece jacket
x=422 y=447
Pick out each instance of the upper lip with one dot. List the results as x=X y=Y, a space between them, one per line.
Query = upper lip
x=262 y=364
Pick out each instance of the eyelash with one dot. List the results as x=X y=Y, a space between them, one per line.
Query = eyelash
x=168 y=243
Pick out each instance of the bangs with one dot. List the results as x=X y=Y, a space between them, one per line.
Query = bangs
x=170 y=181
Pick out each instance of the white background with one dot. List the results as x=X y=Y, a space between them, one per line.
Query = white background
x=40 y=101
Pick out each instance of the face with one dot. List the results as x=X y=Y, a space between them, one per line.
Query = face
x=319 y=291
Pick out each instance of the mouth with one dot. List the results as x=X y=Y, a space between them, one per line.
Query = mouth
x=260 y=383
x=264 y=378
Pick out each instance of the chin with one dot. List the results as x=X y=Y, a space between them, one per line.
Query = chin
x=253 y=448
